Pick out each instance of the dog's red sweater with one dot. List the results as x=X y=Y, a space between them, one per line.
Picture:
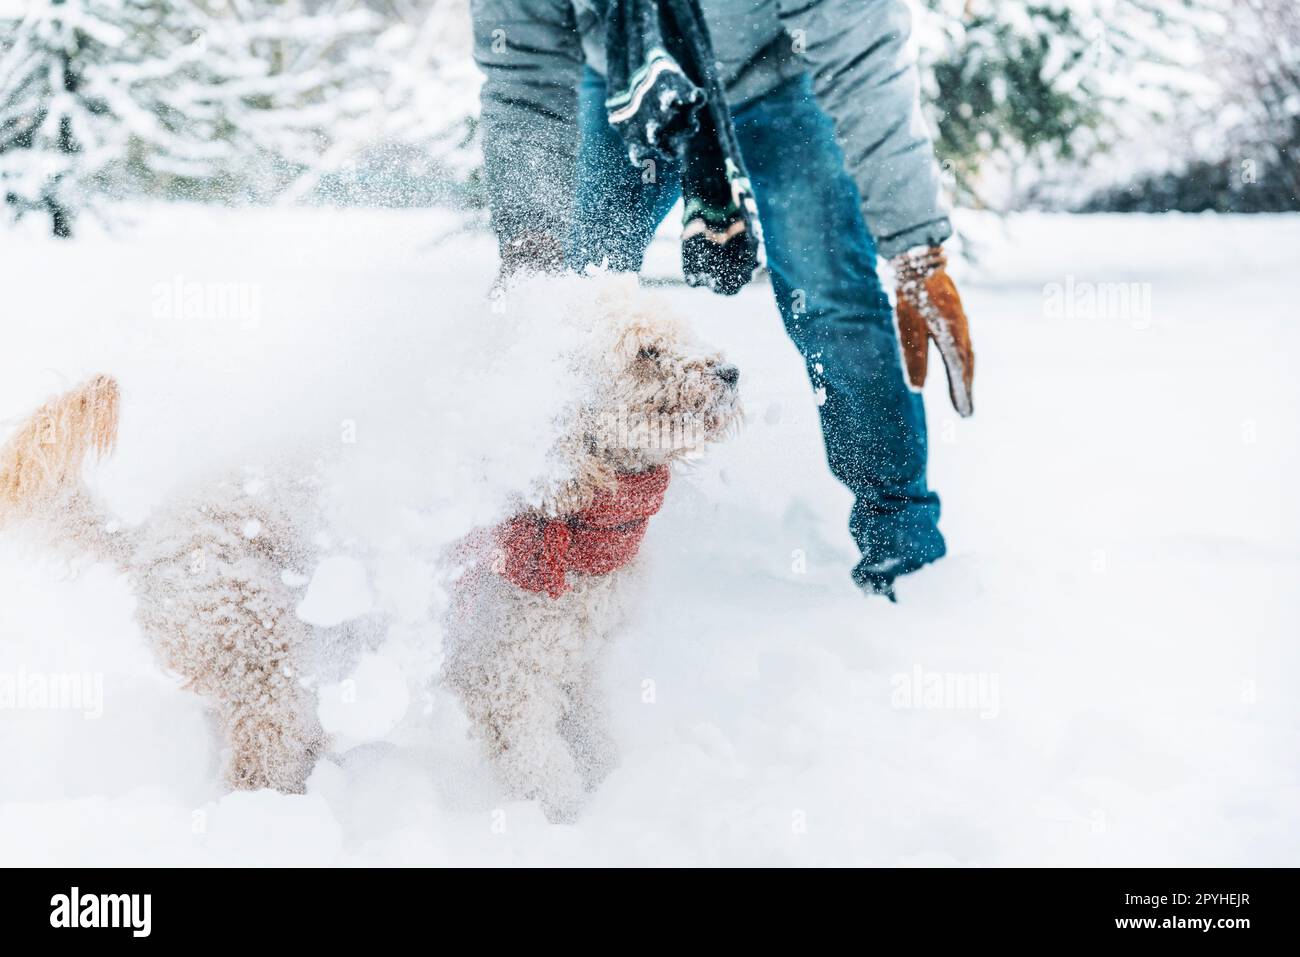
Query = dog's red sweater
x=537 y=553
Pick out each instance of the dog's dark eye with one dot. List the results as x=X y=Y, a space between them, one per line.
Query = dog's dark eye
x=649 y=353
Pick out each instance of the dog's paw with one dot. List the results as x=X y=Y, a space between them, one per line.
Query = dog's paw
x=563 y=810
x=263 y=753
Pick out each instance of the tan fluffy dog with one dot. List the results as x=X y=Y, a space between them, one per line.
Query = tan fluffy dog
x=207 y=574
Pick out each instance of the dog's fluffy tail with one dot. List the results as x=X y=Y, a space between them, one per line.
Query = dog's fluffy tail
x=40 y=467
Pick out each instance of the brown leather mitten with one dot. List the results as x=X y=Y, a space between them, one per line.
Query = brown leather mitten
x=929 y=308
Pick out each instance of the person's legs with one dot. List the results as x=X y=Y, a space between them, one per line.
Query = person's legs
x=823 y=266
x=618 y=206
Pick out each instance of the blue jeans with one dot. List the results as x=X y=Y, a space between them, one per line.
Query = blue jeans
x=823 y=269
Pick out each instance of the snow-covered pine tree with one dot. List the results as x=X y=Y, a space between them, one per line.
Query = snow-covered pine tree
x=1260 y=148
x=56 y=130
x=165 y=88
x=435 y=86
x=1239 y=151
x=1020 y=90
x=244 y=94
x=417 y=144
x=184 y=95
x=282 y=84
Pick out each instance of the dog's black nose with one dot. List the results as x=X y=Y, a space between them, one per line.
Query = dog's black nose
x=728 y=374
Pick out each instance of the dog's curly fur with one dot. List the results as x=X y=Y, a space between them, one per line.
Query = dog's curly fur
x=207 y=575
x=524 y=665
x=209 y=581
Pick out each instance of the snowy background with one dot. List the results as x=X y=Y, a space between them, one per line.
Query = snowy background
x=1122 y=574
x=1145 y=105
x=274 y=236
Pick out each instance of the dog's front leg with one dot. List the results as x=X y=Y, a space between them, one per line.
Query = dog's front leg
x=271 y=744
x=585 y=727
x=236 y=641
x=532 y=756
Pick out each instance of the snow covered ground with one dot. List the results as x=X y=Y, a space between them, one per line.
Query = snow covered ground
x=1103 y=670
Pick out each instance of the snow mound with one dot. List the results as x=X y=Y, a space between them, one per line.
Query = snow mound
x=338 y=592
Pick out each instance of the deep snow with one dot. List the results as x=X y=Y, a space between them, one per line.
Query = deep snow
x=1121 y=590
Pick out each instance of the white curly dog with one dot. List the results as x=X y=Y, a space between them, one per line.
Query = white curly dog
x=542 y=594
x=536 y=600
